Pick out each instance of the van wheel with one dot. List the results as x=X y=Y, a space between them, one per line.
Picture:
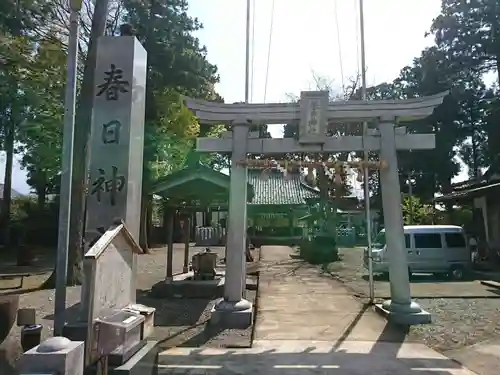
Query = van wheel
x=457 y=272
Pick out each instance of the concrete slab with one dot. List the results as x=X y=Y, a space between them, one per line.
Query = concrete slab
x=483 y=358
x=307 y=303
x=310 y=324
x=348 y=325
x=491 y=283
x=311 y=357
x=297 y=302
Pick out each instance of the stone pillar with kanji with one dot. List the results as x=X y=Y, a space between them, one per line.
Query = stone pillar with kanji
x=117 y=137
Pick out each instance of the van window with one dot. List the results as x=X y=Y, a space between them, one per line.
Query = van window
x=427 y=240
x=379 y=241
x=454 y=240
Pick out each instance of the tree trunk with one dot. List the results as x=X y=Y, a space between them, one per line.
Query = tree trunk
x=149 y=222
x=41 y=191
x=143 y=234
x=7 y=184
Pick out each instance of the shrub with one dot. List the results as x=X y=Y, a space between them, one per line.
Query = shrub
x=321 y=249
x=31 y=225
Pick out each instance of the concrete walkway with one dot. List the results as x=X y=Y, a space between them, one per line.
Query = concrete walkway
x=308 y=323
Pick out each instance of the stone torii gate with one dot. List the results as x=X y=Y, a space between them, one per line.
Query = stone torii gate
x=315 y=113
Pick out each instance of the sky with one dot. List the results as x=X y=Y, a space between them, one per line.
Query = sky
x=304 y=43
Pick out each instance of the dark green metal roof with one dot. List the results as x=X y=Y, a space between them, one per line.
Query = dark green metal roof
x=278 y=190
x=195 y=180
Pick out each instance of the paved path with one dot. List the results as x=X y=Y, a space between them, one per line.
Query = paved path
x=309 y=324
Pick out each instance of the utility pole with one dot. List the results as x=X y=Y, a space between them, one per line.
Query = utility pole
x=81 y=154
x=67 y=168
x=410 y=194
x=247 y=53
x=365 y=155
x=247 y=97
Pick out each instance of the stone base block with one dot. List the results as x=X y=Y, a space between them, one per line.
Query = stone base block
x=144 y=362
x=184 y=286
x=232 y=319
x=404 y=318
x=118 y=358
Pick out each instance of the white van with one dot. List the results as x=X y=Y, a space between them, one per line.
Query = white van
x=438 y=249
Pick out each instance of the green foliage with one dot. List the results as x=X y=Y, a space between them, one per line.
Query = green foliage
x=32 y=80
x=468 y=35
x=36 y=225
x=36 y=62
x=319 y=250
x=417 y=213
x=40 y=135
x=468 y=32
x=177 y=66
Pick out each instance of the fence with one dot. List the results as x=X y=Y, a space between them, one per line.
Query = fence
x=210 y=236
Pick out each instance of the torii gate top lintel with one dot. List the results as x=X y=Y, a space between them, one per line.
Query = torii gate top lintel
x=348 y=111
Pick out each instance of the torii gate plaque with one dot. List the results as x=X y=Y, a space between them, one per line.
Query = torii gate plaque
x=314 y=112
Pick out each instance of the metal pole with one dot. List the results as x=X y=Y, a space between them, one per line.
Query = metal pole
x=247 y=96
x=365 y=156
x=247 y=53
x=67 y=170
x=410 y=193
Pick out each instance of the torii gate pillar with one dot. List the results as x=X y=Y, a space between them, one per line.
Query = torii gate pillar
x=233 y=311
x=400 y=308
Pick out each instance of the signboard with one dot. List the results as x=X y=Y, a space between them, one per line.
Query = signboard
x=313 y=116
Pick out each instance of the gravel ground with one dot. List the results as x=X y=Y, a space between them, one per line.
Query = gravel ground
x=463 y=313
x=179 y=322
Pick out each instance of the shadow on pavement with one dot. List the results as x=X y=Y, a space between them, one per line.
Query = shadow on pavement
x=174 y=311
x=386 y=355
x=424 y=278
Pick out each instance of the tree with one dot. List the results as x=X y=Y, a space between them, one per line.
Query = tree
x=468 y=32
x=417 y=213
x=177 y=65
x=464 y=109
x=40 y=135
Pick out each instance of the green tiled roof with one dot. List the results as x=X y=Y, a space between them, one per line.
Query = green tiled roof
x=278 y=190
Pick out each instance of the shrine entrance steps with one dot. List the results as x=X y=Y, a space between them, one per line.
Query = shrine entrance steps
x=308 y=323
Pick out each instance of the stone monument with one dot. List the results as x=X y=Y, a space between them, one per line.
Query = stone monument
x=315 y=113
x=113 y=326
x=117 y=138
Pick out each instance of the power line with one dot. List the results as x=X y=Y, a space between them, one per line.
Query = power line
x=269 y=50
x=339 y=44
